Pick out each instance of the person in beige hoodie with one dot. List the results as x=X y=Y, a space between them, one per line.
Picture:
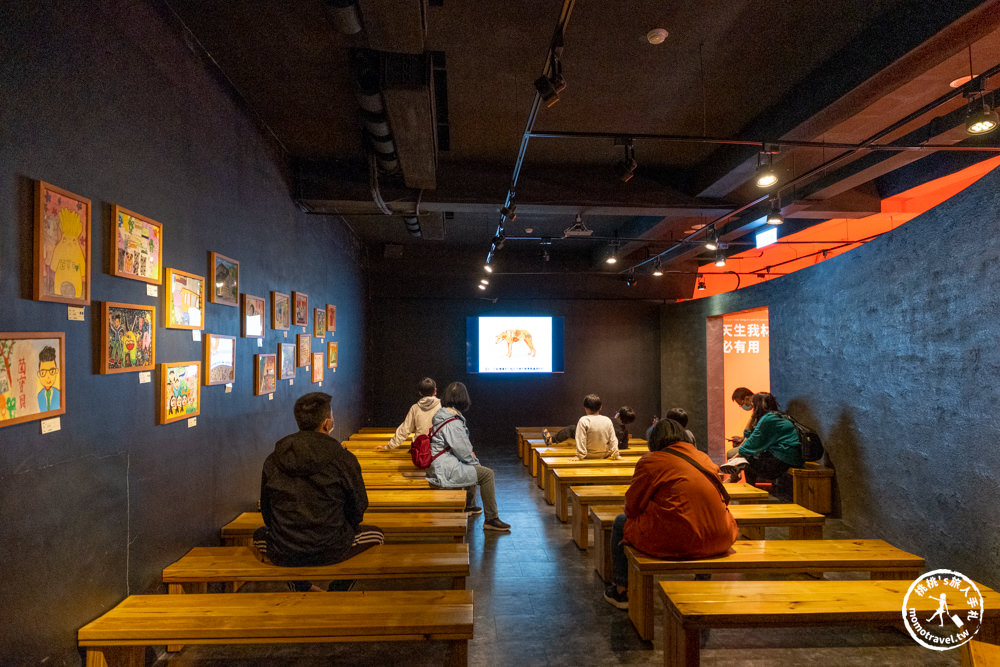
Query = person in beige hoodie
x=418 y=419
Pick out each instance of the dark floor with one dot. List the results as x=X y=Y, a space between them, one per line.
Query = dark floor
x=538 y=602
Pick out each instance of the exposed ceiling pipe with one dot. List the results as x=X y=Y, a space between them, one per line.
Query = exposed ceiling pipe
x=343 y=16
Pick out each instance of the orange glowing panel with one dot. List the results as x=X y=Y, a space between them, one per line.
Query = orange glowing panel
x=745 y=361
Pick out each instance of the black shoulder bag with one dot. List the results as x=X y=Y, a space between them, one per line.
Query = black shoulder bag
x=713 y=478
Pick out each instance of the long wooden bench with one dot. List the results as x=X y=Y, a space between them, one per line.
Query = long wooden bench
x=397 y=526
x=547 y=481
x=377 y=429
x=383 y=464
x=637 y=447
x=812 y=487
x=416 y=500
x=752 y=521
x=558 y=490
x=980 y=654
x=768 y=557
x=119 y=637
x=543 y=457
x=395 y=480
x=692 y=607
x=235 y=565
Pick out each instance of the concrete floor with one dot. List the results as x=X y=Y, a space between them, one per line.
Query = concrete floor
x=538 y=602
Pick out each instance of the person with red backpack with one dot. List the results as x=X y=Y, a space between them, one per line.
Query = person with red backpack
x=454 y=465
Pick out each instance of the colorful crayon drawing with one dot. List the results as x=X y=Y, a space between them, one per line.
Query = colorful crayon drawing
x=31 y=376
x=319 y=322
x=253 y=316
x=62 y=250
x=185 y=300
x=265 y=374
x=331 y=318
x=301 y=309
x=129 y=337
x=304 y=342
x=280 y=311
x=180 y=387
x=138 y=245
x=286 y=361
x=317 y=367
x=331 y=355
x=225 y=276
x=220 y=359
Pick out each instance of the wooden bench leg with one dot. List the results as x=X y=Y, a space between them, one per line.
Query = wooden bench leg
x=543 y=472
x=458 y=583
x=805 y=532
x=581 y=524
x=752 y=532
x=549 y=489
x=640 y=602
x=562 y=501
x=602 y=550
x=116 y=656
x=458 y=653
x=681 y=646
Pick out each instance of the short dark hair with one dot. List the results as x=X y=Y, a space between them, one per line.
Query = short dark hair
x=679 y=415
x=592 y=402
x=48 y=353
x=664 y=433
x=741 y=394
x=312 y=409
x=426 y=387
x=626 y=415
x=456 y=396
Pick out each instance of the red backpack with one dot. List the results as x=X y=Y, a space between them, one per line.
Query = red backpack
x=420 y=449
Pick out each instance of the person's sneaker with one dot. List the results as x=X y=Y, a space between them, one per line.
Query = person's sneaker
x=615 y=598
x=496 y=524
x=473 y=511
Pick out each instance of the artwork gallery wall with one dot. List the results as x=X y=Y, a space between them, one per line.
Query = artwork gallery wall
x=104 y=100
x=890 y=352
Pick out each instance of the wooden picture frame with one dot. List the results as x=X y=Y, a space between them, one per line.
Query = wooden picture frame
x=62 y=246
x=136 y=246
x=303 y=348
x=331 y=355
x=185 y=300
x=317 y=367
x=220 y=359
x=331 y=318
x=319 y=322
x=180 y=391
x=32 y=379
x=252 y=317
x=128 y=337
x=300 y=309
x=281 y=310
x=224 y=277
x=265 y=374
x=286 y=361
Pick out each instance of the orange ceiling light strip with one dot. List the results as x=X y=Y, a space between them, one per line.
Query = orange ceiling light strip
x=833 y=237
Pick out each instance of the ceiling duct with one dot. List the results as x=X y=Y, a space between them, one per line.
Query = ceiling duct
x=397 y=26
x=343 y=16
x=374 y=120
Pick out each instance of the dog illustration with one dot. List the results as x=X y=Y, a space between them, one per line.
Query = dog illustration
x=511 y=336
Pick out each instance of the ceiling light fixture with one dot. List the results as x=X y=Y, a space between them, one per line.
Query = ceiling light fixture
x=487 y=268
x=578 y=228
x=625 y=169
x=657 y=36
x=701 y=284
x=484 y=281
x=720 y=258
x=980 y=118
x=657 y=271
x=774 y=217
x=764 y=175
x=481 y=286
x=713 y=240
x=630 y=280
x=612 y=257
x=551 y=84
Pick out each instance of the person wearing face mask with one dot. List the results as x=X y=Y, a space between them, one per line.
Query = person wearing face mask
x=741 y=397
x=771 y=448
x=312 y=497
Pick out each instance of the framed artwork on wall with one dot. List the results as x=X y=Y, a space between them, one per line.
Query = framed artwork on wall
x=128 y=337
x=304 y=349
x=137 y=246
x=32 y=376
x=300 y=303
x=220 y=359
x=331 y=355
x=286 y=361
x=319 y=323
x=317 y=367
x=185 y=300
x=252 y=322
x=281 y=311
x=62 y=246
x=264 y=374
x=224 y=276
x=180 y=390
x=331 y=318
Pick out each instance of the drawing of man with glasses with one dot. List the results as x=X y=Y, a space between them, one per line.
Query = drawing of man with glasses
x=48 y=397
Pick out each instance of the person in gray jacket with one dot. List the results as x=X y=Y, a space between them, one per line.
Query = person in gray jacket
x=418 y=419
x=455 y=465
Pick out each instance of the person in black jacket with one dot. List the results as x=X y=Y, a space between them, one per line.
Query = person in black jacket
x=312 y=497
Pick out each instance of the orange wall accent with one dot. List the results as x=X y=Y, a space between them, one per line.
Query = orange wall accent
x=746 y=361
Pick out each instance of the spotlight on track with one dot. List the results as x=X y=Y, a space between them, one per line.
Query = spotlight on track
x=980 y=118
x=713 y=240
x=720 y=258
x=701 y=284
x=774 y=217
x=764 y=175
x=657 y=271
x=630 y=280
x=625 y=169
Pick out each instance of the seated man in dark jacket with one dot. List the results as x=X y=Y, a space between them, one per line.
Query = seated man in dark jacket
x=312 y=497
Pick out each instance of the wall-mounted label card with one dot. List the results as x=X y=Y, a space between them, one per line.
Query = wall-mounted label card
x=286 y=334
x=145 y=377
x=192 y=422
x=152 y=290
x=229 y=388
x=50 y=425
x=260 y=342
x=321 y=384
x=270 y=397
x=75 y=313
x=291 y=381
x=196 y=335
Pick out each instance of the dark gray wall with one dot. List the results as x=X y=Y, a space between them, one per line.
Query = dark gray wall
x=611 y=348
x=890 y=352
x=103 y=99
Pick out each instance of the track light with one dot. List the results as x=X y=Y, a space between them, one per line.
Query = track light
x=612 y=257
x=630 y=280
x=481 y=286
x=484 y=281
x=701 y=284
x=720 y=258
x=509 y=213
x=657 y=271
x=764 y=175
x=775 y=217
x=713 y=240
x=498 y=240
x=487 y=268
x=980 y=118
x=625 y=169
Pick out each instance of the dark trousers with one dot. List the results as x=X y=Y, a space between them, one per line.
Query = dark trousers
x=365 y=537
x=619 y=563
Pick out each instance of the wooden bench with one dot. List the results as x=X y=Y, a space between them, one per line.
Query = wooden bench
x=768 y=557
x=812 y=487
x=694 y=606
x=384 y=464
x=235 y=565
x=752 y=521
x=637 y=447
x=558 y=491
x=119 y=637
x=377 y=429
x=415 y=500
x=395 y=480
x=397 y=526
x=980 y=654
x=548 y=478
x=540 y=454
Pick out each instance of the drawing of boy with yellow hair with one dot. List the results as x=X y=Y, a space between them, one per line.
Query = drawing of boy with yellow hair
x=67 y=258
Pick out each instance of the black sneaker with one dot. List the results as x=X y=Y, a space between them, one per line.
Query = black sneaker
x=473 y=510
x=615 y=598
x=496 y=524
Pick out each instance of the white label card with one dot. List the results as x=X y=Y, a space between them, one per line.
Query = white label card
x=260 y=342
x=286 y=334
x=192 y=422
x=145 y=377
x=75 y=313
x=321 y=384
x=270 y=397
x=50 y=425
x=196 y=335
x=229 y=388
x=152 y=290
x=291 y=381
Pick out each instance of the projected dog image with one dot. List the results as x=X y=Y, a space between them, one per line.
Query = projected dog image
x=511 y=336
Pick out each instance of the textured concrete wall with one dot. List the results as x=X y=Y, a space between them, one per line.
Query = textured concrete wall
x=891 y=352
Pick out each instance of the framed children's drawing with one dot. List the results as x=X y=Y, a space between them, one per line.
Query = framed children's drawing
x=253 y=317
x=62 y=246
x=281 y=311
x=220 y=359
x=224 y=276
x=331 y=318
x=128 y=337
x=304 y=342
x=300 y=303
x=137 y=246
x=286 y=361
x=317 y=367
x=180 y=390
x=331 y=355
x=32 y=376
x=264 y=374
x=319 y=323
x=185 y=300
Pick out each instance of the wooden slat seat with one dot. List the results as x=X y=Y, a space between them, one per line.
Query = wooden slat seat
x=377 y=429
x=548 y=464
x=235 y=565
x=365 y=447
x=812 y=487
x=980 y=654
x=563 y=479
x=399 y=455
x=415 y=500
x=384 y=464
x=694 y=606
x=637 y=447
x=397 y=526
x=395 y=480
x=757 y=557
x=539 y=454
